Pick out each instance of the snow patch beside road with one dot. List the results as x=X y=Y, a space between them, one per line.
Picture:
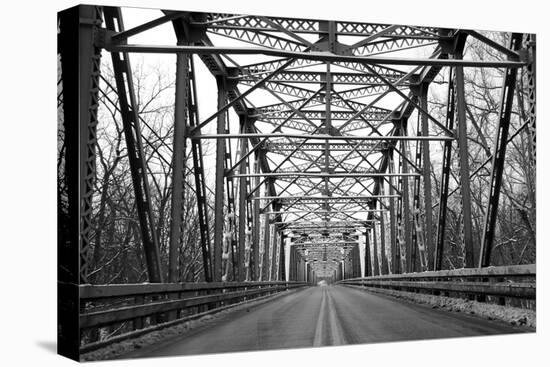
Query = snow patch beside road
x=513 y=315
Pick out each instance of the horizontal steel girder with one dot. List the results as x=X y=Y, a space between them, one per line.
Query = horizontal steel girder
x=299 y=197
x=313 y=77
x=333 y=243
x=286 y=146
x=371 y=115
x=323 y=211
x=324 y=175
x=321 y=56
x=311 y=26
x=322 y=137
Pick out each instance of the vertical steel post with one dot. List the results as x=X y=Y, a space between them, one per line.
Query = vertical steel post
x=219 y=186
x=417 y=233
x=405 y=207
x=232 y=226
x=267 y=246
x=301 y=271
x=420 y=242
x=400 y=231
x=282 y=267
x=445 y=175
x=464 y=168
x=382 y=235
x=132 y=133
x=357 y=261
x=256 y=225
x=368 y=270
x=242 y=204
x=88 y=93
x=375 y=240
x=291 y=264
x=393 y=224
x=178 y=164
x=200 y=185
x=530 y=45
x=299 y=259
x=353 y=263
x=499 y=156
x=426 y=176
x=274 y=252
x=80 y=67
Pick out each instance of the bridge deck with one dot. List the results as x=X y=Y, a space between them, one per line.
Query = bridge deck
x=329 y=315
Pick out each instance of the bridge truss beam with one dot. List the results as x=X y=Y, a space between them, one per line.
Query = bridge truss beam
x=320 y=152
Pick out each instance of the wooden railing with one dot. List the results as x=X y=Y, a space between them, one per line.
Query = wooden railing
x=515 y=282
x=111 y=313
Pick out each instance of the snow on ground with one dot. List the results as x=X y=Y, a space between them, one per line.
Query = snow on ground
x=513 y=315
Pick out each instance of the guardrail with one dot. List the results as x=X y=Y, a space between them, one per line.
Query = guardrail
x=111 y=313
x=497 y=283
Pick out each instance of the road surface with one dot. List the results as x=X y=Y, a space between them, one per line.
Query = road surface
x=320 y=316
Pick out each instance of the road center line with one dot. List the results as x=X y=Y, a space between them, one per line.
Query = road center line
x=336 y=331
x=318 y=339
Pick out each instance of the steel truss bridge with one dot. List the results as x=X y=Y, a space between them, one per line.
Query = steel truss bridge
x=323 y=135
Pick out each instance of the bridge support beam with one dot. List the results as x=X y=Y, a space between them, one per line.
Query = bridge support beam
x=498 y=156
x=530 y=46
x=178 y=165
x=426 y=177
x=395 y=256
x=445 y=176
x=272 y=252
x=242 y=266
x=464 y=169
x=292 y=263
x=368 y=269
x=357 y=259
x=256 y=226
x=375 y=250
x=275 y=253
x=282 y=256
x=422 y=233
x=132 y=133
x=267 y=248
x=200 y=185
x=219 y=188
x=184 y=37
x=403 y=207
x=382 y=236
x=80 y=68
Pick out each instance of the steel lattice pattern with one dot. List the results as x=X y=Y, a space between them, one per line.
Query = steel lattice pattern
x=323 y=134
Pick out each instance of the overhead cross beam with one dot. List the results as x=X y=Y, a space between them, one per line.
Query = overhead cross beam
x=318 y=56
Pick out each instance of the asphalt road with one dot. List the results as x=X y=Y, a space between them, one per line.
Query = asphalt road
x=325 y=315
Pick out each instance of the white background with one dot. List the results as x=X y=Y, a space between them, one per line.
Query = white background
x=28 y=182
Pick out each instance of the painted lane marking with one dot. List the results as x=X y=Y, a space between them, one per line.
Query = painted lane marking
x=318 y=339
x=335 y=329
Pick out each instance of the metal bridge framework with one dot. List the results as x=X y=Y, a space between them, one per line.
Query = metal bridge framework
x=322 y=170
x=337 y=162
